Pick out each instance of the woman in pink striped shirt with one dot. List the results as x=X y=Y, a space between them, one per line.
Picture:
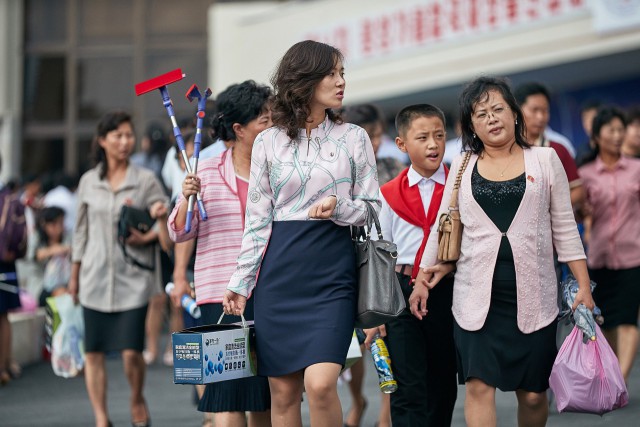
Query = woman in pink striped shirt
x=223 y=181
x=612 y=234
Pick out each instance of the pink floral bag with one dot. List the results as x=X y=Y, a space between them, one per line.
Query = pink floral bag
x=586 y=377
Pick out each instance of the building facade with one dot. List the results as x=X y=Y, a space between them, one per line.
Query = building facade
x=64 y=63
x=410 y=51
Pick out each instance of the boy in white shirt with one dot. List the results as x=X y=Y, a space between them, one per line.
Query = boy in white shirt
x=422 y=351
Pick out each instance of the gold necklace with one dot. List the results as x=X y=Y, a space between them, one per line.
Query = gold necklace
x=505 y=169
x=508 y=163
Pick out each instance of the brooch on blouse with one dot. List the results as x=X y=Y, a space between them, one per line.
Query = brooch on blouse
x=530 y=178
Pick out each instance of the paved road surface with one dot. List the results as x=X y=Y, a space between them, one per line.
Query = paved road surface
x=40 y=398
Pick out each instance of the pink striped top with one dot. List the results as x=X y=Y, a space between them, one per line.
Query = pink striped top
x=220 y=237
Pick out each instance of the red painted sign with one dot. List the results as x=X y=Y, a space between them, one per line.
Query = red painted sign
x=418 y=24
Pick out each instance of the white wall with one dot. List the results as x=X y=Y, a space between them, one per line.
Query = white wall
x=10 y=86
x=247 y=40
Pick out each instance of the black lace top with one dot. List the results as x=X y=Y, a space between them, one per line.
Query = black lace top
x=500 y=201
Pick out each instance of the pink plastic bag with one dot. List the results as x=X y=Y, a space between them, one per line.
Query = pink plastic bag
x=586 y=377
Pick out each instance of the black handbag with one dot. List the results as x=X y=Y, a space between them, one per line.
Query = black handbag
x=140 y=220
x=380 y=297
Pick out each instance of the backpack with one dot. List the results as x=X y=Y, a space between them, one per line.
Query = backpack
x=13 y=227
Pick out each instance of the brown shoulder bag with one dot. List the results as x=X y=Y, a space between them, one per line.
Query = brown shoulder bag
x=449 y=224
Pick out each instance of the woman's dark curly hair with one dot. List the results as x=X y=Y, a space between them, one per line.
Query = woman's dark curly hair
x=239 y=103
x=110 y=121
x=478 y=91
x=300 y=70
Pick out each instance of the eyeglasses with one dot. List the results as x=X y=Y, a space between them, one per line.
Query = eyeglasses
x=483 y=115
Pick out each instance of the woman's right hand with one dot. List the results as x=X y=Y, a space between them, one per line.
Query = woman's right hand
x=72 y=288
x=180 y=287
x=190 y=186
x=233 y=303
x=433 y=275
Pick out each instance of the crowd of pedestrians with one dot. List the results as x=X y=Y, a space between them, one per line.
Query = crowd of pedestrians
x=284 y=173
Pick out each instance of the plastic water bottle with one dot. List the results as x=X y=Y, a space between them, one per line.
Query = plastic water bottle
x=382 y=363
x=188 y=303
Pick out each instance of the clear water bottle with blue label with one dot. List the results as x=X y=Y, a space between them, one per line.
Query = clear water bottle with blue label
x=188 y=303
x=382 y=362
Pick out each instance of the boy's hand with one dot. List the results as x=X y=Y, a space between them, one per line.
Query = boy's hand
x=370 y=333
x=418 y=300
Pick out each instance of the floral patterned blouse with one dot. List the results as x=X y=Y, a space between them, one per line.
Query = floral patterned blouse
x=288 y=177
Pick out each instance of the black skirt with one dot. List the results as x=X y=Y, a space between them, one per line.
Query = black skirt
x=305 y=297
x=499 y=353
x=117 y=331
x=618 y=295
x=9 y=298
x=244 y=394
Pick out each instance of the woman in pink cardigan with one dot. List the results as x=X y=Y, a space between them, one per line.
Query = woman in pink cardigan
x=242 y=112
x=515 y=208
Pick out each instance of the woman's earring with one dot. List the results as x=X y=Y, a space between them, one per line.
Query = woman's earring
x=474 y=136
x=516 y=121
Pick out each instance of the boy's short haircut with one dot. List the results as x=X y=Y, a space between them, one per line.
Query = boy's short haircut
x=408 y=114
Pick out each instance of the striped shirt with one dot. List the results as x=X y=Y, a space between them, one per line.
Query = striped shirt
x=220 y=237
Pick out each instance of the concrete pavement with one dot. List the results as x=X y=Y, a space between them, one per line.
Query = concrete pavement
x=40 y=398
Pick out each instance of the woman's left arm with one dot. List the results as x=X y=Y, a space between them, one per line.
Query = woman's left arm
x=564 y=231
x=565 y=236
x=352 y=211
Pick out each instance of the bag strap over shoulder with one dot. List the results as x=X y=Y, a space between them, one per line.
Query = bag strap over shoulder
x=453 y=204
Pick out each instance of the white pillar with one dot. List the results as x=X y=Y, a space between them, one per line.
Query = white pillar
x=11 y=66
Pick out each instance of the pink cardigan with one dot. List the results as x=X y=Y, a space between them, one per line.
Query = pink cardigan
x=220 y=237
x=543 y=221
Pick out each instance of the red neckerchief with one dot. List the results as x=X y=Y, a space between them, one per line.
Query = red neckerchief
x=406 y=202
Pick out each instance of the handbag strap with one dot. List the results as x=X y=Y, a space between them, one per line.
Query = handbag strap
x=453 y=204
x=359 y=233
x=131 y=260
x=372 y=218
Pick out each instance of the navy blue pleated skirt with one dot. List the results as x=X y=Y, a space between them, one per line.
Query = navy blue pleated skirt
x=305 y=297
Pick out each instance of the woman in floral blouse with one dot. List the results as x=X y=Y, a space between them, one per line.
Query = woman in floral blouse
x=310 y=176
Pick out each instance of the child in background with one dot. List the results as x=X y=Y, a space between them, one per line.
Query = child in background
x=51 y=249
x=422 y=351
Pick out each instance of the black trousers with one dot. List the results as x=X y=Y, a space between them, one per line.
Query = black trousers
x=423 y=360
